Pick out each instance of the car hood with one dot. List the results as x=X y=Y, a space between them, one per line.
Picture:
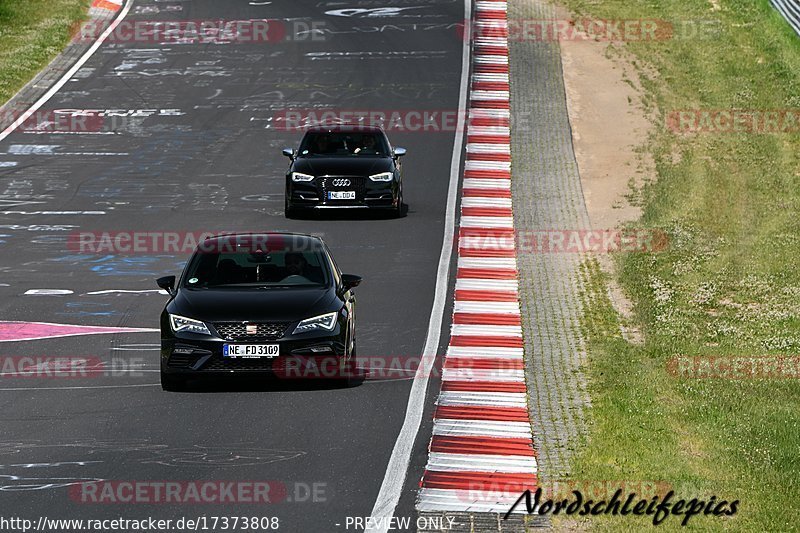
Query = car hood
x=343 y=166
x=253 y=304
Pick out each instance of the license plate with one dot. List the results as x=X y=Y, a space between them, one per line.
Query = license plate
x=249 y=351
x=341 y=195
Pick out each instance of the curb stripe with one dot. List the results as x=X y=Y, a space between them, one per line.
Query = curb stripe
x=470 y=481
x=506 y=414
x=485 y=386
x=482 y=444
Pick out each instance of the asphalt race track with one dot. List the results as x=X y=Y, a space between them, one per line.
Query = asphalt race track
x=207 y=158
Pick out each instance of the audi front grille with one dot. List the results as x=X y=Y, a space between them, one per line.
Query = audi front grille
x=342 y=183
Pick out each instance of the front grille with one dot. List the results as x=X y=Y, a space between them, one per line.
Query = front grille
x=263 y=364
x=357 y=184
x=237 y=331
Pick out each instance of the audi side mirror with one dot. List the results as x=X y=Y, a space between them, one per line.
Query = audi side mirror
x=399 y=152
x=289 y=152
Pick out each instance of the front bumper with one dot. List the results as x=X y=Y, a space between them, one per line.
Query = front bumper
x=199 y=355
x=368 y=194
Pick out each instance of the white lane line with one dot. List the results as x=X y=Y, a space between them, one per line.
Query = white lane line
x=490 y=330
x=491 y=41
x=473 y=500
x=480 y=94
x=491 y=6
x=397 y=469
x=482 y=148
x=502 y=263
x=494 y=399
x=68 y=74
x=487 y=222
x=501 y=77
x=486 y=201
x=488 y=352
x=474 y=462
x=448 y=427
x=487 y=183
x=484 y=374
x=492 y=60
x=477 y=284
x=488 y=165
x=462 y=306
x=127 y=291
x=502 y=131
x=486 y=243
x=479 y=112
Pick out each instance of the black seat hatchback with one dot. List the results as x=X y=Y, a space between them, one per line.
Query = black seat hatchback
x=247 y=302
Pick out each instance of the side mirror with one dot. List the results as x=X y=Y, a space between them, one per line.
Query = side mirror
x=289 y=152
x=350 y=281
x=167 y=283
x=399 y=152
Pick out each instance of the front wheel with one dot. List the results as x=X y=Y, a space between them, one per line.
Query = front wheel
x=288 y=212
x=398 y=212
x=353 y=376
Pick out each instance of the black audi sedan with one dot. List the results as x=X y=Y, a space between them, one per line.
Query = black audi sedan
x=344 y=167
x=247 y=303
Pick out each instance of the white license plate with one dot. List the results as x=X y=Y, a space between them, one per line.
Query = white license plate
x=341 y=195
x=250 y=350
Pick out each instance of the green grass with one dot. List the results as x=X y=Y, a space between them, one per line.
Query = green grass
x=32 y=33
x=727 y=286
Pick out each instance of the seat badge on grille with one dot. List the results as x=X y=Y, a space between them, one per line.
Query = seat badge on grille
x=251 y=329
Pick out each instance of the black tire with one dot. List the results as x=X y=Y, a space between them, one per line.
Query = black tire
x=287 y=211
x=172 y=383
x=354 y=377
x=398 y=213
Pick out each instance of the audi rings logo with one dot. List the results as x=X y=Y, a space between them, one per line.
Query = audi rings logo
x=341 y=182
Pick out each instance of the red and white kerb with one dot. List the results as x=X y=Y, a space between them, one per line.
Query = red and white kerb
x=481 y=456
x=111 y=5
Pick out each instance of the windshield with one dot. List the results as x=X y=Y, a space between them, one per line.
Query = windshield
x=274 y=268
x=367 y=143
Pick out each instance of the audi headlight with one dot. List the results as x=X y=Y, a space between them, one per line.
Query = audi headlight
x=299 y=176
x=383 y=176
x=181 y=323
x=325 y=322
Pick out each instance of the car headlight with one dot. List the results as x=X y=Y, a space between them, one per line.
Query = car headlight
x=326 y=322
x=299 y=176
x=383 y=176
x=181 y=323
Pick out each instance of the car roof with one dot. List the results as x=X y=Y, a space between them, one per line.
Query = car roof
x=246 y=238
x=344 y=128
